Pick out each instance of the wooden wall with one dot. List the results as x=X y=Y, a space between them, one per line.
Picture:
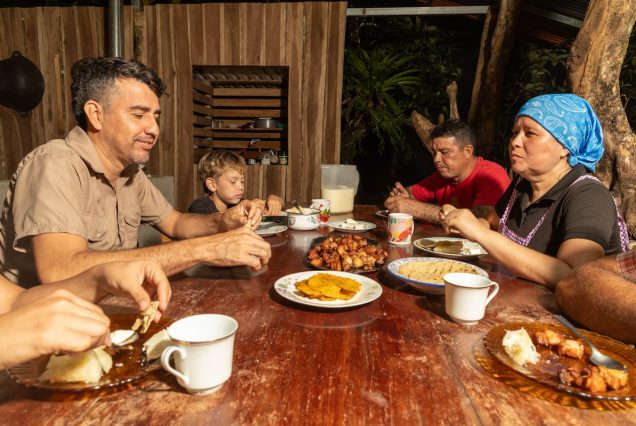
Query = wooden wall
x=308 y=37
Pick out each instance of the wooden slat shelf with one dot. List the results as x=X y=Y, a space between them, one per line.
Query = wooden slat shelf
x=236 y=144
x=238 y=133
x=213 y=100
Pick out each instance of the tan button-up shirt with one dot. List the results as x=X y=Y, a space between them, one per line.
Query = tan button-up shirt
x=61 y=187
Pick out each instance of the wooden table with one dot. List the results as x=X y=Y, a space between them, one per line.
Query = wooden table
x=398 y=360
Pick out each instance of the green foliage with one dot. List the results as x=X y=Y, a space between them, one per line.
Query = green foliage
x=371 y=98
x=393 y=66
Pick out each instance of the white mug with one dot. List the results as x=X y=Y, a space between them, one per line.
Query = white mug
x=203 y=346
x=467 y=296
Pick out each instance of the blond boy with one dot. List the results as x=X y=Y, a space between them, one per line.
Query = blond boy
x=222 y=174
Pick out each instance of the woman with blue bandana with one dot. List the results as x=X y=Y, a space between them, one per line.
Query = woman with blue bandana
x=555 y=215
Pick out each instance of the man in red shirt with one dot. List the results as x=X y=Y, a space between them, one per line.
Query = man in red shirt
x=462 y=179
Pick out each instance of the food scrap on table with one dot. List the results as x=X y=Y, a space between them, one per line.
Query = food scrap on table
x=346 y=254
x=324 y=286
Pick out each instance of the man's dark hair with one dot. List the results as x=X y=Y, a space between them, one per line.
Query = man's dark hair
x=94 y=78
x=463 y=133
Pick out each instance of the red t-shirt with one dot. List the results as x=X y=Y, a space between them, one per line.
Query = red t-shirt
x=484 y=186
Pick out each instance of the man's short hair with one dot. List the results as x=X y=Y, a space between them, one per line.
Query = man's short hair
x=94 y=78
x=460 y=130
x=213 y=164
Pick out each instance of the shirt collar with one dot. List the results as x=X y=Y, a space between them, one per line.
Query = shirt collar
x=555 y=192
x=77 y=139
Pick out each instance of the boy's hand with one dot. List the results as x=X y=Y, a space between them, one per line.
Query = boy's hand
x=274 y=205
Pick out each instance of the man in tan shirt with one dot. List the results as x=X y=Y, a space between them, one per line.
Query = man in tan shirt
x=78 y=202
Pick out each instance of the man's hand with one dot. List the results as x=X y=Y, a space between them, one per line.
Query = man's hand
x=274 y=205
x=234 y=248
x=60 y=322
x=400 y=204
x=140 y=280
x=244 y=213
x=399 y=191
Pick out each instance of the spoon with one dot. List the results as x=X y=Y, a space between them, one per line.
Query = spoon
x=597 y=357
x=123 y=337
x=297 y=206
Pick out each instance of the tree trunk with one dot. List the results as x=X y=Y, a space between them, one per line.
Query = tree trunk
x=594 y=68
x=496 y=46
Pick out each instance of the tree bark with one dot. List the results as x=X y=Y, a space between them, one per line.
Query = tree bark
x=496 y=47
x=594 y=68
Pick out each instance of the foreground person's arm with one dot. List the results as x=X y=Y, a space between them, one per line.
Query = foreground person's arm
x=142 y=281
x=523 y=261
x=61 y=255
x=597 y=296
x=49 y=319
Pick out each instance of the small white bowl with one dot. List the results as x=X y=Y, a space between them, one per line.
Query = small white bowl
x=306 y=221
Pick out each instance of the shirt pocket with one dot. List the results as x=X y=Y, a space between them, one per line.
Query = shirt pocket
x=131 y=219
x=95 y=227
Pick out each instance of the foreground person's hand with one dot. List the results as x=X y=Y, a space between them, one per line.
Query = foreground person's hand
x=60 y=322
x=235 y=248
x=142 y=280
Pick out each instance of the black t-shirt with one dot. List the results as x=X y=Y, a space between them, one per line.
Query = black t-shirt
x=585 y=210
x=202 y=205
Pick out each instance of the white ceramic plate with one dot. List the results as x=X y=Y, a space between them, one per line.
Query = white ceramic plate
x=354 y=228
x=425 y=286
x=421 y=244
x=273 y=230
x=369 y=291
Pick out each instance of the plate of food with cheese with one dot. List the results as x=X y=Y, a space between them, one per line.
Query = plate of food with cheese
x=99 y=368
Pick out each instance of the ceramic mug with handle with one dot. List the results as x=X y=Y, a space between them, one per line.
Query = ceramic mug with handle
x=203 y=348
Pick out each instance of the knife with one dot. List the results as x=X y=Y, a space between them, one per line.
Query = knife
x=278 y=219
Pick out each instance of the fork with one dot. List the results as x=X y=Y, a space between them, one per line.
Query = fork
x=597 y=357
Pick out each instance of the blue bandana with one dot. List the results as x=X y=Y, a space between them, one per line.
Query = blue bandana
x=572 y=122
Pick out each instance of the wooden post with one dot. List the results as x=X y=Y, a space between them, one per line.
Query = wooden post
x=496 y=46
x=594 y=68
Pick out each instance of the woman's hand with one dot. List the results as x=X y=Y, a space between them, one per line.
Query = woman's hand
x=461 y=221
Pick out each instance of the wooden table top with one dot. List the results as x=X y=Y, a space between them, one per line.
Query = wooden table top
x=398 y=360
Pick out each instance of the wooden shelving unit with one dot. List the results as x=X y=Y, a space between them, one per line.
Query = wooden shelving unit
x=226 y=99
